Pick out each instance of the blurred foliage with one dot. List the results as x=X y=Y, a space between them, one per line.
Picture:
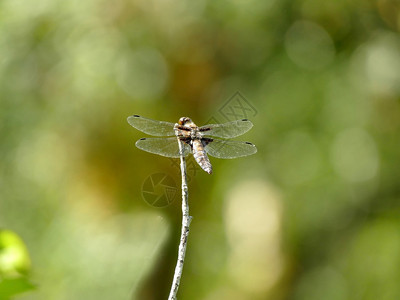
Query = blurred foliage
x=14 y=258
x=14 y=265
x=11 y=287
x=313 y=215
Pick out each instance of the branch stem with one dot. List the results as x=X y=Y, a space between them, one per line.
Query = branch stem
x=186 y=219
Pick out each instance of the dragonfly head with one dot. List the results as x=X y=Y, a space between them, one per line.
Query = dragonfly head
x=185 y=121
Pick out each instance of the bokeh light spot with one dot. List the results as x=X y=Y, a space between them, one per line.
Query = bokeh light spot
x=253 y=220
x=355 y=156
x=298 y=159
x=375 y=65
x=309 y=46
x=143 y=73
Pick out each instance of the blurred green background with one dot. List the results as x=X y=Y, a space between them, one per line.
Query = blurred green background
x=315 y=214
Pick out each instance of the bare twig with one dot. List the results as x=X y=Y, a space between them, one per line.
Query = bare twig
x=186 y=219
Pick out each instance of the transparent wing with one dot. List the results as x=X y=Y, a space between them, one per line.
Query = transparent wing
x=152 y=127
x=229 y=149
x=227 y=130
x=162 y=146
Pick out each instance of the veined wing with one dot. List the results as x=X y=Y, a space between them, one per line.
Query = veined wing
x=227 y=130
x=152 y=127
x=163 y=146
x=229 y=149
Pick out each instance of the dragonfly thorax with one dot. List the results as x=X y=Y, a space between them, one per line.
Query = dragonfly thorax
x=188 y=128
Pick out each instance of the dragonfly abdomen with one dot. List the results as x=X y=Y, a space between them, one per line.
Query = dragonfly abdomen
x=200 y=156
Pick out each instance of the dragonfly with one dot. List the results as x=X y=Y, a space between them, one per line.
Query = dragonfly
x=201 y=141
